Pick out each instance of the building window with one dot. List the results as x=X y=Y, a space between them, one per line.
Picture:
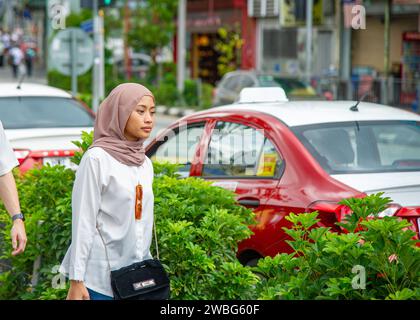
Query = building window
x=280 y=43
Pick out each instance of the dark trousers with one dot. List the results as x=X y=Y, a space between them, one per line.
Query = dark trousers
x=29 y=67
x=15 y=70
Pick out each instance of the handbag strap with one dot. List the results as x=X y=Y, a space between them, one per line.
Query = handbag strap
x=106 y=250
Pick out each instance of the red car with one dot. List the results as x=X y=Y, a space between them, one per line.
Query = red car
x=299 y=157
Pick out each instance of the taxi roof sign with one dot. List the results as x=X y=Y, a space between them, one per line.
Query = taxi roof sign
x=265 y=94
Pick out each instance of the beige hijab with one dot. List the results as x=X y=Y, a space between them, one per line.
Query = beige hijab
x=110 y=123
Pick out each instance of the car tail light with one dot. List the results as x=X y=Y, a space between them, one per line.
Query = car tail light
x=390 y=211
x=409 y=212
x=28 y=159
x=329 y=213
x=21 y=154
x=52 y=153
x=334 y=208
x=412 y=214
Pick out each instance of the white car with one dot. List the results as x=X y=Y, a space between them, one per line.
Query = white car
x=41 y=121
x=140 y=64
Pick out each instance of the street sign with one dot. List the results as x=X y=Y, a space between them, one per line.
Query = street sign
x=61 y=47
x=72 y=54
x=87 y=26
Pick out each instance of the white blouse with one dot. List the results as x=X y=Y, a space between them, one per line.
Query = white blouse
x=104 y=194
x=7 y=157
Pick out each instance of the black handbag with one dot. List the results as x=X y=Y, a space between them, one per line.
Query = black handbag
x=145 y=280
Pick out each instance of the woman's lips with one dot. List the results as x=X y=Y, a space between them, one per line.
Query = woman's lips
x=147 y=129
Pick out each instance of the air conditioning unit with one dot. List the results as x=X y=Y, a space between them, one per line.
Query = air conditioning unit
x=263 y=8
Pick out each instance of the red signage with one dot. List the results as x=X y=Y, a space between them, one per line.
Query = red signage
x=406 y=1
x=411 y=36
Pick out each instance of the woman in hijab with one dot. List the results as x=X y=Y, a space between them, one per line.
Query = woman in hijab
x=112 y=199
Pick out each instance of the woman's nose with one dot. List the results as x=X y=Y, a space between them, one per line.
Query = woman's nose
x=148 y=117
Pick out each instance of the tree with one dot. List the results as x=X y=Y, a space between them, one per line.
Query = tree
x=152 y=26
x=229 y=47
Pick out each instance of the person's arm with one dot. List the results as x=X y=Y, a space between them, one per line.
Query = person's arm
x=86 y=199
x=9 y=196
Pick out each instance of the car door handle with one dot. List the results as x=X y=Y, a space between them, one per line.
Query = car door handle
x=249 y=202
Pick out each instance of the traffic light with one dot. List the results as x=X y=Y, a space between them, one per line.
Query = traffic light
x=88 y=4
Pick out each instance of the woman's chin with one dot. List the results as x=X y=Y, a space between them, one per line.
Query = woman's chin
x=144 y=135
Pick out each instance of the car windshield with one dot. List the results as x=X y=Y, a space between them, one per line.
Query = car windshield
x=267 y=81
x=43 y=112
x=295 y=87
x=363 y=147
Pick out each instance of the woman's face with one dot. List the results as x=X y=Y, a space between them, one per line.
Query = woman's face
x=141 y=120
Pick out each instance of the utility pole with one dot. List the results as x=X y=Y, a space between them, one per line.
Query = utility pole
x=8 y=15
x=127 y=60
x=98 y=58
x=387 y=27
x=73 y=50
x=181 y=30
x=101 y=91
x=309 y=25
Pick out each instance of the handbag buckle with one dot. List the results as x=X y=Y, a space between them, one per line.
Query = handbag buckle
x=144 y=284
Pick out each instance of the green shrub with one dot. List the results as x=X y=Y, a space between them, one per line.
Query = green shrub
x=206 y=95
x=327 y=265
x=45 y=197
x=86 y=98
x=198 y=228
x=84 y=81
x=166 y=94
x=192 y=97
x=190 y=93
x=168 y=73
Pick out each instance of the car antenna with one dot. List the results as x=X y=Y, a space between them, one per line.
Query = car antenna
x=20 y=82
x=355 y=108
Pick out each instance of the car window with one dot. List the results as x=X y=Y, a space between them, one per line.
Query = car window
x=267 y=81
x=295 y=86
x=379 y=146
x=232 y=83
x=246 y=82
x=236 y=150
x=180 y=147
x=43 y=112
x=398 y=144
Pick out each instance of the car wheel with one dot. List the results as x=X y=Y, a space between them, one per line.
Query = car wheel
x=252 y=262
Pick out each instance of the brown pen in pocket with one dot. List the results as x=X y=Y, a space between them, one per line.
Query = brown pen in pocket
x=139 y=198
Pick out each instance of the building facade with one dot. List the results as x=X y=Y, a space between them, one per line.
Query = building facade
x=281 y=36
x=204 y=19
